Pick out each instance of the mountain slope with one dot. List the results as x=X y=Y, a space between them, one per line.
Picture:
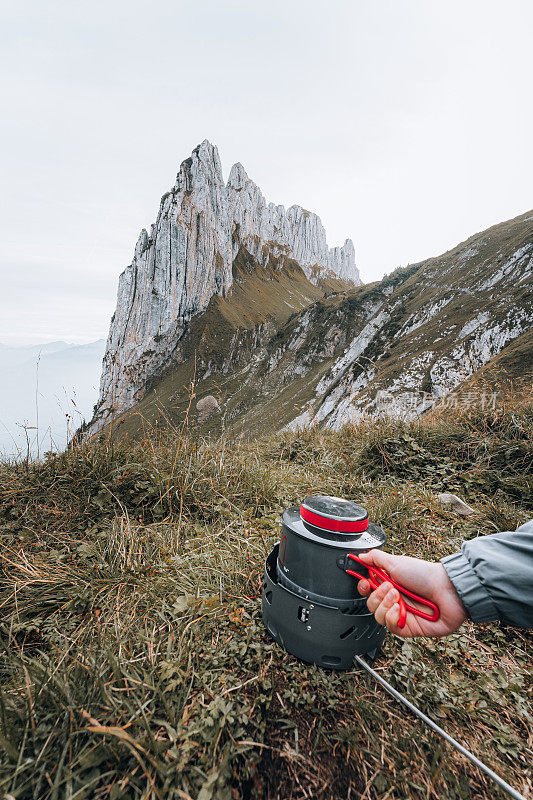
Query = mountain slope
x=222 y=347
x=413 y=337
x=438 y=327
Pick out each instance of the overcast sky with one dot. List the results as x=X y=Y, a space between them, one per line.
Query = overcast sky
x=405 y=124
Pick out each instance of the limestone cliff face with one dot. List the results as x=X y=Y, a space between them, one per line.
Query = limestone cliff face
x=187 y=257
x=296 y=230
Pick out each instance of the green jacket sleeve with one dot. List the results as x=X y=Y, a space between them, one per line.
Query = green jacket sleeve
x=493 y=576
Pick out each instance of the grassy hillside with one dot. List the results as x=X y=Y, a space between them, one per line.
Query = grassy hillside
x=135 y=664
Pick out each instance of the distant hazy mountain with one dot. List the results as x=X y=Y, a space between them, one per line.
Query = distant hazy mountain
x=54 y=384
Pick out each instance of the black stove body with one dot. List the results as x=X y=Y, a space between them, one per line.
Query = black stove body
x=310 y=606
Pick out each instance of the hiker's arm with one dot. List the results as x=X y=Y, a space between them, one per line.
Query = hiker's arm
x=491 y=578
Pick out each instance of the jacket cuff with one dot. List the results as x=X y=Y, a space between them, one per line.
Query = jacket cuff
x=474 y=596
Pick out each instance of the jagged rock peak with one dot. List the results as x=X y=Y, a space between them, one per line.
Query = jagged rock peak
x=202 y=166
x=238 y=177
x=297 y=229
x=187 y=257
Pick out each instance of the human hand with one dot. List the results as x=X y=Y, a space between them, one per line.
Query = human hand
x=426 y=578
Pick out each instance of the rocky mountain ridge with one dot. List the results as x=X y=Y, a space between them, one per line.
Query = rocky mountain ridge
x=280 y=351
x=187 y=258
x=241 y=301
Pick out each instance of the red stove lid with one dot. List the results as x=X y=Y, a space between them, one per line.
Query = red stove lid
x=334 y=514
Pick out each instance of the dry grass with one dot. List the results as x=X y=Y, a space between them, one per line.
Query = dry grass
x=135 y=664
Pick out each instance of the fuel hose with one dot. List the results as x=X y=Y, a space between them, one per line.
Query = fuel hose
x=433 y=725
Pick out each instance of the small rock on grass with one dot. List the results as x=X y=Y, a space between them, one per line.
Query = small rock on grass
x=206 y=407
x=454 y=503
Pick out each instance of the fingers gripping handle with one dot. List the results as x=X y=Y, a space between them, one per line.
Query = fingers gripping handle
x=372 y=579
x=376 y=576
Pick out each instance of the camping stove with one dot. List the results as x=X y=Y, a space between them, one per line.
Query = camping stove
x=310 y=604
